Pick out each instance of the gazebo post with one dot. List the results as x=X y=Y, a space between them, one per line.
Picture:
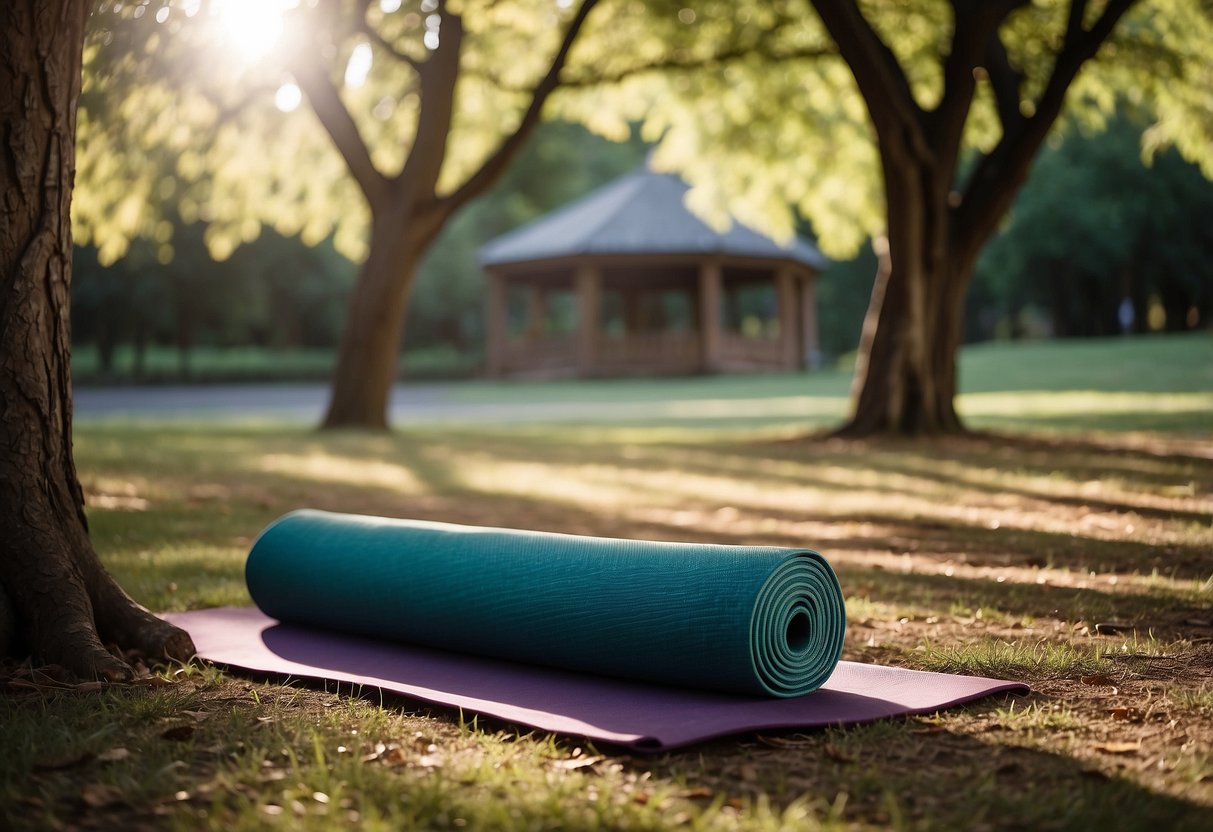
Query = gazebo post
x=790 y=309
x=589 y=289
x=710 y=279
x=495 y=324
x=810 y=349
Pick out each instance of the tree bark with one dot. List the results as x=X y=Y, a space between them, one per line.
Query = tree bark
x=905 y=378
x=406 y=210
x=64 y=604
x=370 y=341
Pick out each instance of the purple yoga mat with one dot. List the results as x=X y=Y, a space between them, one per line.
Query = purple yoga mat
x=647 y=717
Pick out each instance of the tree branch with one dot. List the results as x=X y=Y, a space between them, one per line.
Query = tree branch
x=975 y=27
x=492 y=168
x=438 y=80
x=999 y=176
x=1078 y=10
x=1006 y=83
x=339 y=124
x=883 y=85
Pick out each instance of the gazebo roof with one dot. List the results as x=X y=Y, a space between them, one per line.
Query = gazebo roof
x=641 y=213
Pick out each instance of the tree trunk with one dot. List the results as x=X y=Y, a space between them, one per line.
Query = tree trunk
x=905 y=375
x=65 y=606
x=370 y=342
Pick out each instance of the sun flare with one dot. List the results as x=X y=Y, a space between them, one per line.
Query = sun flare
x=251 y=28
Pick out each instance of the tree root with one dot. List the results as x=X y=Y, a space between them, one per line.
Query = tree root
x=123 y=622
x=67 y=608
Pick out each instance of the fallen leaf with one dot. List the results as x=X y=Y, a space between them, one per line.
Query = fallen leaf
x=1125 y=747
x=100 y=795
x=747 y=772
x=113 y=755
x=177 y=733
x=1120 y=713
x=1102 y=679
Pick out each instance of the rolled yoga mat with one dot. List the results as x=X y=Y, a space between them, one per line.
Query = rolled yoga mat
x=742 y=619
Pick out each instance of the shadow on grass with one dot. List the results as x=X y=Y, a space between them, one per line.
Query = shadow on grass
x=1190 y=421
x=909 y=774
x=761 y=480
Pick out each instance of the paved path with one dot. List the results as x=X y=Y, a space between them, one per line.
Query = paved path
x=432 y=403
x=410 y=404
x=289 y=402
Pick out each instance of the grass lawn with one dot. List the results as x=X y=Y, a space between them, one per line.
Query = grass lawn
x=1007 y=556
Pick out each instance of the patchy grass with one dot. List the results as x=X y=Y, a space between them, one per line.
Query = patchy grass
x=1082 y=566
x=1015 y=660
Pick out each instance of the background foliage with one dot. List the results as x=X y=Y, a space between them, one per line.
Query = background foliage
x=181 y=169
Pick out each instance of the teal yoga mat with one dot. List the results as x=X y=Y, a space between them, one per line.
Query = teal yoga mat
x=745 y=619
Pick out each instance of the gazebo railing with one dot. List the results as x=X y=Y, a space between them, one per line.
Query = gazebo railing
x=645 y=351
x=546 y=354
x=744 y=353
x=638 y=352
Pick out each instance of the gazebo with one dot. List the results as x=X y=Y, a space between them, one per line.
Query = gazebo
x=628 y=281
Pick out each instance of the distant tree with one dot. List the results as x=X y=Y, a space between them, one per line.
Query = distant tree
x=425 y=106
x=1096 y=225
x=57 y=602
x=915 y=123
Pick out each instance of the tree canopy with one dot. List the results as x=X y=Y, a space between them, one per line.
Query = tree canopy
x=914 y=124
x=199 y=105
x=782 y=131
x=751 y=102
